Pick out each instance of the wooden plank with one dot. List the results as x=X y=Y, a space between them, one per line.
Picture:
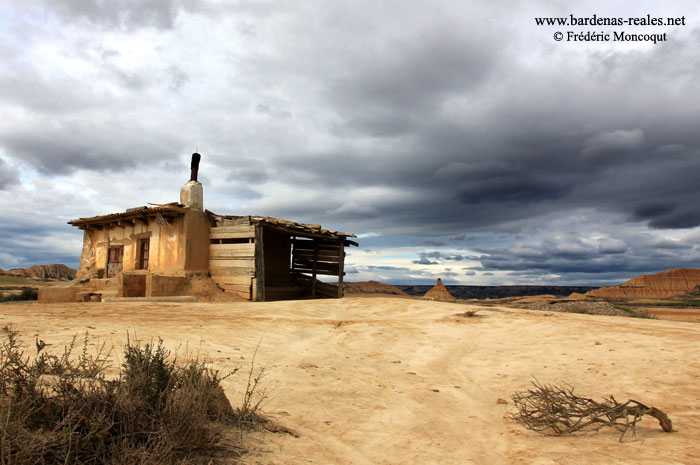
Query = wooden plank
x=219 y=251
x=259 y=264
x=236 y=287
x=310 y=258
x=324 y=255
x=341 y=266
x=233 y=229
x=314 y=269
x=318 y=272
x=309 y=244
x=231 y=235
x=247 y=263
x=230 y=271
x=250 y=248
x=320 y=266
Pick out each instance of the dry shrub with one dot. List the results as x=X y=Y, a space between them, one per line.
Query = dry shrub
x=62 y=409
x=555 y=410
x=467 y=314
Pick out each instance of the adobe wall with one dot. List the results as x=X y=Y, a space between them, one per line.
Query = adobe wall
x=54 y=295
x=196 y=241
x=167 y=246
x=132 y=284
x=160 y=285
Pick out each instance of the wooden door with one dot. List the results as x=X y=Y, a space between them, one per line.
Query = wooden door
x=115 y=260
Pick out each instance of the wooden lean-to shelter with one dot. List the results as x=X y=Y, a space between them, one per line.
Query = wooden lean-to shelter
x=264 y=258
x=155 y=251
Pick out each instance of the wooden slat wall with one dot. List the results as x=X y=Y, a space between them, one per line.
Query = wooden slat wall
x=329 y=261
x=227 y=251
x=232 y=266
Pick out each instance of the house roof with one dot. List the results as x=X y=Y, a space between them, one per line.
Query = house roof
x=176 y=209
x=170 y=209
x=291 y=227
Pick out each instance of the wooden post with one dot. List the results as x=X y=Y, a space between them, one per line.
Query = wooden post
x=259 y=265
x=313 y=269
x=341 y=265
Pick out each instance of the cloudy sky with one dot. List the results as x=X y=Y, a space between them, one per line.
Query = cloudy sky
x=457 y=139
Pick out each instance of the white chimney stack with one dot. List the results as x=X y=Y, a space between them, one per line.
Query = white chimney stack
x=192 y=194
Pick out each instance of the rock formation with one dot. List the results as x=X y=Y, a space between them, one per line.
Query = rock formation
x=669 y=283
x=439 y=292
x=54 y=272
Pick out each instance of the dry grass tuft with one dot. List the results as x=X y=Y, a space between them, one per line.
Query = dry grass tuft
x=62 y=409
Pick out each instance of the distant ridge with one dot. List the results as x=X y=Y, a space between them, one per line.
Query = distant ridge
x=371 y=287
x=55 y=272
x=669 y=283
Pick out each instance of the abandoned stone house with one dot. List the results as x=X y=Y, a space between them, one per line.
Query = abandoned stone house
x=155 y=251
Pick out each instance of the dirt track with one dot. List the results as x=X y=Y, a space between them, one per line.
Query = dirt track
x=400 y=381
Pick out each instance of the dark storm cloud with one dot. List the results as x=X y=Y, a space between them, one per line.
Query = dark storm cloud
x=516 y=188
x=544 y=144
x=62 y=148
x=435 y=242
x=392 y=88
x=569 y=256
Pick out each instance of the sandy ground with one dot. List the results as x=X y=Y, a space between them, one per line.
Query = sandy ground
x=401 y=381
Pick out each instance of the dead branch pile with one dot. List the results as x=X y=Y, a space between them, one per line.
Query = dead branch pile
x=555 y=410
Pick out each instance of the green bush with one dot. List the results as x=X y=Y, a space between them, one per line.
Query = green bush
x=63 y=409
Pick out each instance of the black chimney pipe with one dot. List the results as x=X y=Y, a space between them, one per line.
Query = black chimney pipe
x=195 y=166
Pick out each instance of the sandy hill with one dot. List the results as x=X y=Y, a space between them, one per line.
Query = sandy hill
x=371 y=287
x=668 y=283
x=55 y=272
x=439 y=292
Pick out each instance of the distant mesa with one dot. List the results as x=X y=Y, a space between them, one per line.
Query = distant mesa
x=669 y=283
x=536 y=298
x=371 y=287
x=55 y=272
x=439 y=292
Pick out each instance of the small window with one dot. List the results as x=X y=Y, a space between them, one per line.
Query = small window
x=144 y=252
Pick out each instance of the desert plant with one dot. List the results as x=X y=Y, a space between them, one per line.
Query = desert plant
x=248 y=414
x=63 y=409
x=467 y=314
x=556 y=410
x=25 y=294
